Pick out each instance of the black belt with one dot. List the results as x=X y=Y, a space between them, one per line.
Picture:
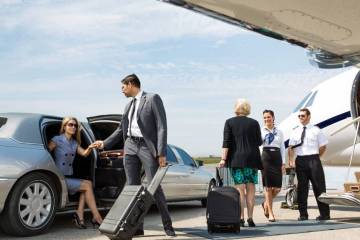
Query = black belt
x=137 y=139
x=271 y=149
x=307 y=156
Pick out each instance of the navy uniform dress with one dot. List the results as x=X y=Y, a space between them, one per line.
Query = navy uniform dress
x=64 y=157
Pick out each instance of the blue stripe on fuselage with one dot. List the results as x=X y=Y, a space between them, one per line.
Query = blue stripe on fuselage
x=328 y=122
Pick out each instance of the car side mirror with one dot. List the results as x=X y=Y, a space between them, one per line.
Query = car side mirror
x=200 y=163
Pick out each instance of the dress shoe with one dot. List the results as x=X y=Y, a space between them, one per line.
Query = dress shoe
x=170 y=231
x=322 y=218
x=95 y=223
x=78 y=222
x=303 y=218
x=251 y=222
x=139 y=232
x=242 y=223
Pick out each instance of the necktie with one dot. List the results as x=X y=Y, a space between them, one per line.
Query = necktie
x=133 y=104
x=301 y=140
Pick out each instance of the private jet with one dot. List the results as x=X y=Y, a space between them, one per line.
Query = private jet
x=329 y=31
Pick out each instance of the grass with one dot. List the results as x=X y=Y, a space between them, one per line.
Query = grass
x=208 y=160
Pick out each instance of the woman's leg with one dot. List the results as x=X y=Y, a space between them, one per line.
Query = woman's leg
x=272 y=194
x=250 y=198
x=86 y=188
x=241 y=189
x=80 y=210
x=266 y=201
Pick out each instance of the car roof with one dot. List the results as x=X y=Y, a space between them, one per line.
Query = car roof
x=23 y=127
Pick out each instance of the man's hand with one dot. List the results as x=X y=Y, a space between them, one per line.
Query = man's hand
x=99 y=144
x=291 y=163
x=221 y=163
x=162 y=161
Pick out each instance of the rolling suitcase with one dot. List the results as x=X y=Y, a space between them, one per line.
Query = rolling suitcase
x=223 y=209
x=130 y=208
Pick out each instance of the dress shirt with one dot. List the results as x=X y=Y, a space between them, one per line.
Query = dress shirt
x=277 y=142
x=135 y=130
x=314 y=139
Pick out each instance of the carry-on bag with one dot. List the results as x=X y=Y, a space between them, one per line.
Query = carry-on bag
x=130 y=208
x=223 y=209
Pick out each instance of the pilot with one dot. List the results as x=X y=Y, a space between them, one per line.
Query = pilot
x=308 y=143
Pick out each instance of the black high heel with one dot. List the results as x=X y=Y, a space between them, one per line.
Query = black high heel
x=78 y=222
x=95 y=223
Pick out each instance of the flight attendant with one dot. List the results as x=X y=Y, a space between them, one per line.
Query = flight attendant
x=273 y=158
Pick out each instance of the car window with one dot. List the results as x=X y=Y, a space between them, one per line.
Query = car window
x=311 y=100
x=2 y=121
x=302 y=102
x=170 y=156
x=186 y=157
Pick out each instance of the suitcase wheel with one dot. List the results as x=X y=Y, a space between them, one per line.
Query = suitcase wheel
x=237 y=228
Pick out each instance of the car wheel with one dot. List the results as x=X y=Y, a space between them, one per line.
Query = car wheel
x=30 y=208
x=212 y=184
x=291 y=197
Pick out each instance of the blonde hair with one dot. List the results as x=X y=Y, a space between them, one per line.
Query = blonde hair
x=65 y=121
x=242 y=107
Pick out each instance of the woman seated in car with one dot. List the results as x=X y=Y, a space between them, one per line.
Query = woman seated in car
x=66 y=146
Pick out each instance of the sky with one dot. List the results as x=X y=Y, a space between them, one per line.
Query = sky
x=68 y=57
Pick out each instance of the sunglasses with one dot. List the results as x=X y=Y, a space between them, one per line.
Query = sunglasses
x=72 y=125
x=301 y=115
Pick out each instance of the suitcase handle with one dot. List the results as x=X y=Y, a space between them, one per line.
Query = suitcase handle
x=354 y=188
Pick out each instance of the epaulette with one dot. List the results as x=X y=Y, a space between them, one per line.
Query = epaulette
x=295 y=127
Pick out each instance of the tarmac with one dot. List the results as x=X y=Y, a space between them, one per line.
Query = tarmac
x=190 y=223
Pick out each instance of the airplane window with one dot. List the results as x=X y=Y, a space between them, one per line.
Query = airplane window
x=311 y=100
x=302 y=102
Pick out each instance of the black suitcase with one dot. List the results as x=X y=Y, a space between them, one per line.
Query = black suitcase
x=223 y=209
x=130 y=208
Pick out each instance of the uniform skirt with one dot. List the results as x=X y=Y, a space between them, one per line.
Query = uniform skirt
x=272 y=162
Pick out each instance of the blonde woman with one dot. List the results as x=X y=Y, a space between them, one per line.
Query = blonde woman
x=242 y=138
x=65 y=147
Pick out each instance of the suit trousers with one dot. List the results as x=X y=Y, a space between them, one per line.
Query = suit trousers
x=309 y=169
x=137 y=154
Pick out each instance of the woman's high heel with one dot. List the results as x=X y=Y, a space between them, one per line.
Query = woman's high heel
x=95 y=223
x=78 y=222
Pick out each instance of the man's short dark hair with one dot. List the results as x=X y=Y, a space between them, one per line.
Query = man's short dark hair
x=131 y=79
x=305 y=110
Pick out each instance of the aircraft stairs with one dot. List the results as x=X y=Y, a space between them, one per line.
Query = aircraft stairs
x=350 y=197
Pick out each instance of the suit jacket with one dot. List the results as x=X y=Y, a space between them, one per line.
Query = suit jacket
x=242 y=135
x=151 y=118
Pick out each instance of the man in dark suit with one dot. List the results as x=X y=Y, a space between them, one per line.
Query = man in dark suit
x=144 y=131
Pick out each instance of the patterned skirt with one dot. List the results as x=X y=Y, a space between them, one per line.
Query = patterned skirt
x=245 y=175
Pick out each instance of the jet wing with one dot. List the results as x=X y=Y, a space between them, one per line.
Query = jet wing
x=345 y=199
x=329 y=29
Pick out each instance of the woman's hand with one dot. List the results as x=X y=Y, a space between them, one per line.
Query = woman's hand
x=222 y=163
x=283 y=169
x=93 y=145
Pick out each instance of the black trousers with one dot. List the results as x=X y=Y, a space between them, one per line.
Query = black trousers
x=309 y=168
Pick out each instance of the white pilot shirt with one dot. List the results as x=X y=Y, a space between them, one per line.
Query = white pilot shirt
x=135 y=130
x=314 y=139
x=277 y=142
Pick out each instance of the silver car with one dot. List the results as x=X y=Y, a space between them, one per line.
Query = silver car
x=32 y=189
